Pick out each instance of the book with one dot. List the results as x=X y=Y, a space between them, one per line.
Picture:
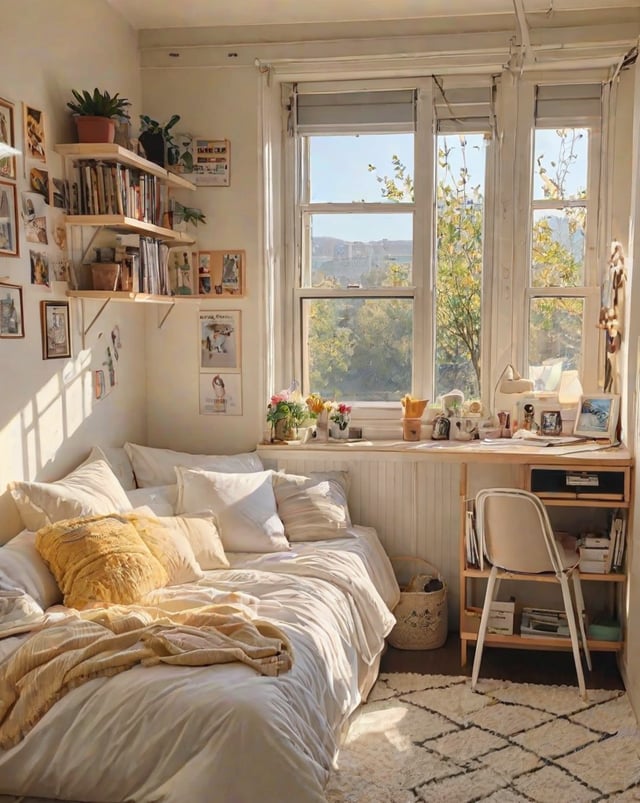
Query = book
x=544 y=623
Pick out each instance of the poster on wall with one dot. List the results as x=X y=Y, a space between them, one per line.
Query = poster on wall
x=34 y=142
x=204 y=161
x=219 y=340
x=9 y=241
x=56 y=329
x=220 y=394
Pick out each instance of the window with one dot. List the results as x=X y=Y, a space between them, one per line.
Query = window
x=561 y=270
x=370 y=171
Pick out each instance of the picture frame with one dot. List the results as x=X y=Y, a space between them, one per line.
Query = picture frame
x=34 y=137
x=550 y=422
x=9 y=237
x=597 y=416
x=221 y=273
x=205 y=161
x=183 y=272
x=219 y=341
x=8 y=140
x=11 y=310
x=56 y=330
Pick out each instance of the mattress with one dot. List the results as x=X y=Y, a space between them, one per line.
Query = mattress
x=224 y=733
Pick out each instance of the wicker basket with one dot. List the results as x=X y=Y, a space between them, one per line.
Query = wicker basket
x=421 y=616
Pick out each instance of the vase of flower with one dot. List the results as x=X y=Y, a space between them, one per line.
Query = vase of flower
x=322 y=426
x=286 y=412
x=340 y=416
x=283 y=430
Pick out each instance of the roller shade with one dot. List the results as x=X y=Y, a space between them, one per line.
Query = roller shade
x=464 y=109
x=568 y=101
x=356 y=112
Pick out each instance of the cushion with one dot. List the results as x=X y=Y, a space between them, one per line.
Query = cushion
x=313 y=507
x=202 y=533
x=118 y=461
x=22 y=568
x=244 y=506
x=168 y=540
x=161 y=499
x=102 y=559
x=154 y=466
x=91 y=489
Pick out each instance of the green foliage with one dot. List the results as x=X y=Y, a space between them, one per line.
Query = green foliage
x=151 y=126
x=190 y=214
x=98 y=104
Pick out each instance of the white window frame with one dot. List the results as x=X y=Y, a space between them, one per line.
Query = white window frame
x=589 y=290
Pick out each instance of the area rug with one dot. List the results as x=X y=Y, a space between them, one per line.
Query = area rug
x=430 y=738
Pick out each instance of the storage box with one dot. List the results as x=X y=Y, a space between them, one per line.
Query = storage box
x=501 y=618
x=105 y=275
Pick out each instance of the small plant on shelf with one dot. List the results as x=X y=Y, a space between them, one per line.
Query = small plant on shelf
x=96 y=112
x=157 y=139
x=189 y=214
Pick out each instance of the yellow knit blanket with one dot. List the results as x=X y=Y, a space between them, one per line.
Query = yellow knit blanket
x=106 y=641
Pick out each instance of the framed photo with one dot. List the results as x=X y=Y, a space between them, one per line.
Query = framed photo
x=550 y=422
x=219 y=340
x=34 y=142
x=220 y=394
x=11 y=310
x=7 y=141
x=183 y=272
x=597 y=416
x=56 y=331
x=221 y=273
x=9 y=241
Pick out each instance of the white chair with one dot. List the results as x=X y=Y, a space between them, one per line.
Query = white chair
x=517 y=539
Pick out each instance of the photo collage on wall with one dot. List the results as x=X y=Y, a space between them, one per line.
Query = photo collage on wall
x=220 y=360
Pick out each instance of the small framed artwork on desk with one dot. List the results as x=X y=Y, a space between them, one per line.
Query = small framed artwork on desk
x=597 y=416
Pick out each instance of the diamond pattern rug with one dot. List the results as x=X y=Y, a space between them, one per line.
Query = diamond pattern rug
x=430 y=738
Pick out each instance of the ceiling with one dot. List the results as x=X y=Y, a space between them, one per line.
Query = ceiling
x=149 y=14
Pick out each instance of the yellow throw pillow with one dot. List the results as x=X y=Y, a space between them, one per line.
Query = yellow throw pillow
x=100 y=559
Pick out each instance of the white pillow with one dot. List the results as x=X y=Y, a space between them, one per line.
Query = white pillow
x=202 y=533
x=22 y=568
x=118 y=461
x=19 y=613
x=313 y=507
x=154 y=466
x=92 y=489
x=161 y=499
x=244 y=506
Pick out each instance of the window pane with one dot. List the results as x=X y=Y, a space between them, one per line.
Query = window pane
x=558 y=247
x=460 y=219
x=359 y=348
x=555 y=339
x=361 y=250
x=560 y=166
x=364 y=167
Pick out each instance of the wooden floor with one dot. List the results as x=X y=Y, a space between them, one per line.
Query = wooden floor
x=523 y=666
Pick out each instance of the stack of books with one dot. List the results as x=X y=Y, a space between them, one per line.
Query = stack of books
x=543 y=623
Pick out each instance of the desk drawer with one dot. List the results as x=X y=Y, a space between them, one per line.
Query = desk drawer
x=573 y=483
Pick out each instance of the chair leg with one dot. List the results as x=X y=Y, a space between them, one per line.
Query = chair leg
x=577 y=592
x=484 y=622
x=571 y=619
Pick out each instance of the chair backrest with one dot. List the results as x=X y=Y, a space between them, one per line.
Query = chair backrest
x=515 y=532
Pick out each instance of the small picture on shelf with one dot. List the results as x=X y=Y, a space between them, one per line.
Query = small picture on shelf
x=221 y=273
x=183 y=270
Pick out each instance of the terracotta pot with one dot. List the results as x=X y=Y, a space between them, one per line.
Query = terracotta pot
x=95 y=129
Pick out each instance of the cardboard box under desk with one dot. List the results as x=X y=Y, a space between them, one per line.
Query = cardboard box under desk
x=501 y=618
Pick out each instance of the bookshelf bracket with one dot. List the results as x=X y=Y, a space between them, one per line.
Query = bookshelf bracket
x=163 y=318
x=92 y=322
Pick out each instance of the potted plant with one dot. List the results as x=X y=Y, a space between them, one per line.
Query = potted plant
x=156 y=138
x=96 y=112
x=189 y=214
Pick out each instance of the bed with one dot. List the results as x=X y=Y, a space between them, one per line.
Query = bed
x=223 y=732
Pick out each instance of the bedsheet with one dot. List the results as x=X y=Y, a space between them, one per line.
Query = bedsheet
x=223 y=733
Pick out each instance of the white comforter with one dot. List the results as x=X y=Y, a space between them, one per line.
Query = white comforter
x=224 y=734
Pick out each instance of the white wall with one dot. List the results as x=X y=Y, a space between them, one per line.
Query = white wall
x=219 y=103
x=48 y=417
